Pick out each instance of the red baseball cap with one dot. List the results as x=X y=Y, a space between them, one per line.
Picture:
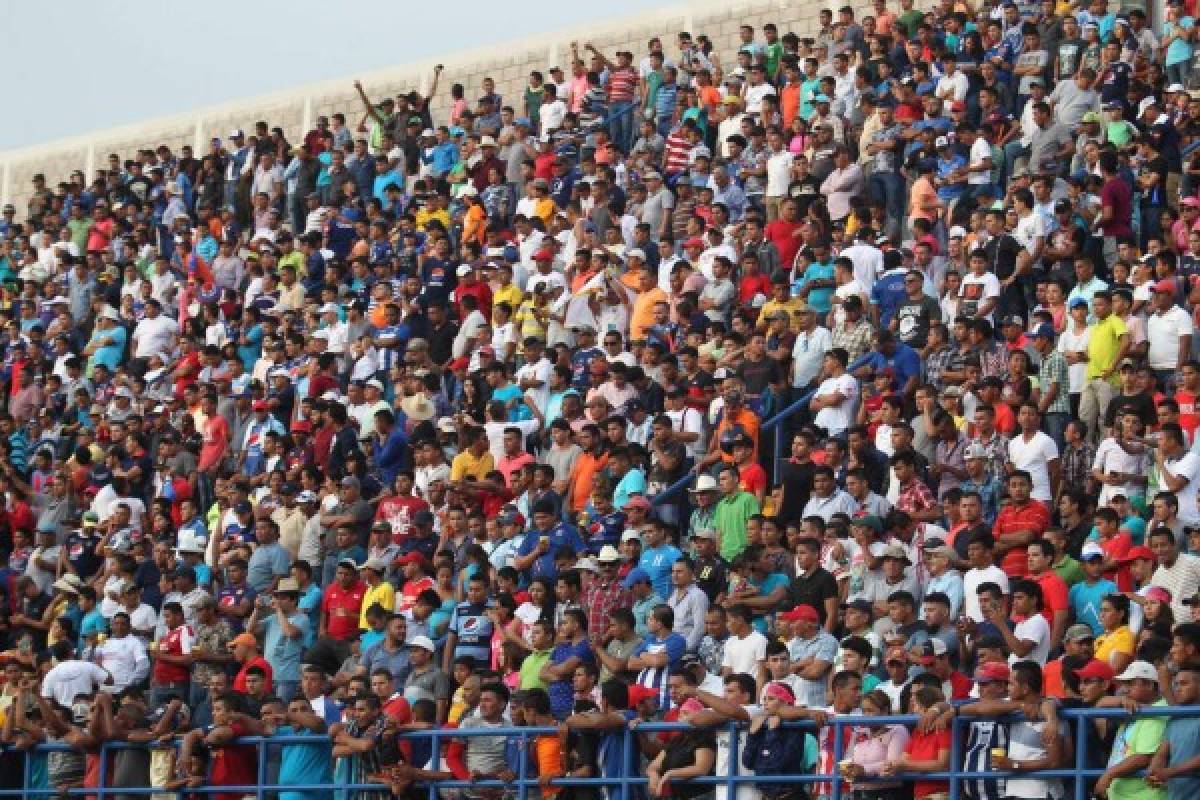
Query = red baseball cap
x=1141 y=551
x=302 y=426
x=261 y=405
x=695 y=241
x=638 y=693
x=991 y=672
x=800 y=614
x=1095 y=669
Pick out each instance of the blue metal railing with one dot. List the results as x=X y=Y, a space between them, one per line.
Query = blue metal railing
x=624 y=782
x=774 y=423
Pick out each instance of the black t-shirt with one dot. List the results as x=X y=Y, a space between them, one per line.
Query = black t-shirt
x=1141 y=403
x=913 y=319
x=813 y=590
x=1068 y=53
x=758 y=375
x=797 y=481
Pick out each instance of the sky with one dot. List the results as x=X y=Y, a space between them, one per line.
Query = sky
x=76 y=66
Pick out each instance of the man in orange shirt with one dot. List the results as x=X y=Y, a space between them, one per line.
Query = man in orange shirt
x=1078 y=643
x=733 y=415
x=1040 y=557
x=789 y=95
x=641 y=313
x=589 y=462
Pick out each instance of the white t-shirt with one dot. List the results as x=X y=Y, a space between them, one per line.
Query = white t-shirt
x=1163 y=331
x=539 y=371
x=744 y=655
x=1186 y=467
x=1034 y=456
x=975 y=290
x=745 y=791
x=755 y=95
x=836 y=419
x=154 y=336
x=1033 y=629
x=689 y=420
x=980 y=150
x=957 y=83
x=68 y=680
x=1029 y=227
x=1071 y=342
x=779 y=173
x=971 y=583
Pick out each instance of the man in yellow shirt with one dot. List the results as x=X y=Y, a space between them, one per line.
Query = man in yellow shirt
x=507 y=291
x=378 y=590
x=781 y=300
x=475 y=461
x=1108 y=343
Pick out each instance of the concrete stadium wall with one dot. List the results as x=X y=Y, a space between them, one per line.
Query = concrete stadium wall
x=508 y=63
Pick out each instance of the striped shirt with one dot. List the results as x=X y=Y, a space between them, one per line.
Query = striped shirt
x=1054 y=370
x=622 y=82
x=674 y=646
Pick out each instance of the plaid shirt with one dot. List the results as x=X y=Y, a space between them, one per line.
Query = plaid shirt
x=1076 y=463
x=939 y=362
x=856 y=340
x=1054 y=370
x=600 y=599
x=997 y=454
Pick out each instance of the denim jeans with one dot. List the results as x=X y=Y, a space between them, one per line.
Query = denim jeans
x=286 y=690
x=1179 y=73
x=888 y=188
x=1055 y=425
x=622 y=122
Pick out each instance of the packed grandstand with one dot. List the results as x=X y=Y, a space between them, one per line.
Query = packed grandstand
x=846 y=375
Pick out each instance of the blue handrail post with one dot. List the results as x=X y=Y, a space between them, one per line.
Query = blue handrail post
x=731 y=785
x=102 y=777
x=435 y=748
x=523 y=767
x=262 y=768
x=27 y=770
x=626 y=758
x=839 y=752
x=955 y=757
x=1080 y=757
x=777 y=445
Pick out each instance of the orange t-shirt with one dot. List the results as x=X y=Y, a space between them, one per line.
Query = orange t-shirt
x=586 y=467
x=547 y=751
x=922 y=192
x=789 y=103
x=642 y=316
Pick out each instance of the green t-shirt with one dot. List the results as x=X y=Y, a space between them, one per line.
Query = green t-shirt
x=1069 y=570
x=774 y=54
x=730 y=520
x=1140 y=737
x=530 y=667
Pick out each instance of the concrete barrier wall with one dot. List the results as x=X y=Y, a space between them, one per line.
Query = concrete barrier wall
x=508 y=64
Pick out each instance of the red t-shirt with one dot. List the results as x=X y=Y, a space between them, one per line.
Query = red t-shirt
x=925 y=747
x=750 y=285
x=411 y=590
x=1115 y=549
x=177 y=642
x=1054 y=593
x=1189 y=420
x=780 y=233
x=239 y=681
x=398 y=709
x=398 y=512
x=1117 y=195
x=753 y=477
x=1032 y=516
x=342 y=608
x=234 y=765
x=216 y=439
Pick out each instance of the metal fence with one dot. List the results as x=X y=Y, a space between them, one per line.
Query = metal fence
x=1076 y=719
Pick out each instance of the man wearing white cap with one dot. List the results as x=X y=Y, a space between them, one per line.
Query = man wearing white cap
x=336 y=333
x=1137 y=739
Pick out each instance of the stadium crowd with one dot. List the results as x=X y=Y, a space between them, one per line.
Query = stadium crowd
x=462 y=423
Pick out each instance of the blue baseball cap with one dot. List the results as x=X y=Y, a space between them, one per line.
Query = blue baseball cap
x=1044 y=331
x=636 y=575
x=1076 y=302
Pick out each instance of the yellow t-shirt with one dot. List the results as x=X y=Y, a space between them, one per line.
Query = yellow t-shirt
x=1119 y=641
x=791 y=306
x=508 y=294
x=466 y=464
x=1104 y=342
x=384 y=594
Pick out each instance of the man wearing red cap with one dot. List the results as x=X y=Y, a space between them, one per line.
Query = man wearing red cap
x=1169 y=330
x=812 y=651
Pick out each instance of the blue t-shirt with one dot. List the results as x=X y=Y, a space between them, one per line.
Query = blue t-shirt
x=674 y=645
x=888 y=294
x=1179 y=50
x=1183 y=735
x=562 y=695
x=283 y=652
x=474 y=629
x=267 y=562
x=110 y=355
x=233 y=596
x=560 y=536
x=657 y=562
x=1085 y=602
x=819 y=299
x=632 y=483
x=769 y=584
x=303 y=764
x=904 y=363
